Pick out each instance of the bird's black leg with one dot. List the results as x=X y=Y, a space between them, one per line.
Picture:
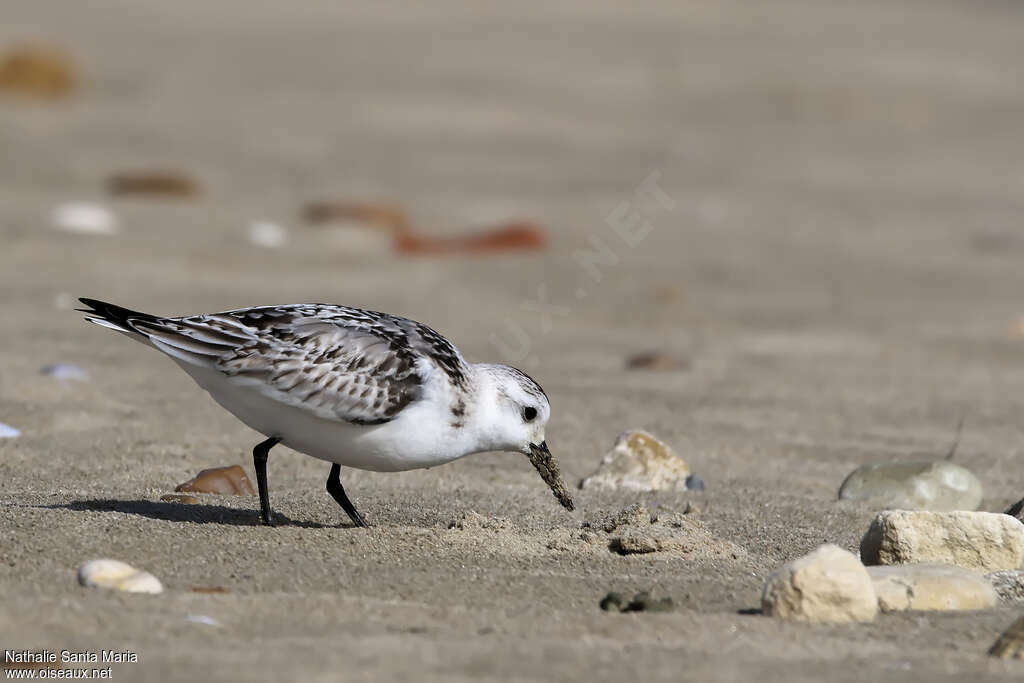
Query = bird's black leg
x=335 y=488
x=259 y=460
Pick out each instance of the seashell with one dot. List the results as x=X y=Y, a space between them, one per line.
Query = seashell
x=85 y=218
x=267 y=234
x=117 y=575
x=227 y=481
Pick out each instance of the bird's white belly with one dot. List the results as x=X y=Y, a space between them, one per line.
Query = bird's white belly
x=411 y=441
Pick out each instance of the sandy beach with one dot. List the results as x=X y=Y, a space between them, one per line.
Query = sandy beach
x=832 y=251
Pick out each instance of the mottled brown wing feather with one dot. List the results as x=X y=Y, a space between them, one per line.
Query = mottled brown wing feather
x=334 y=372
x=338 y=362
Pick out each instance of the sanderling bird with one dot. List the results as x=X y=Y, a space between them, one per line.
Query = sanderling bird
x=353 y=387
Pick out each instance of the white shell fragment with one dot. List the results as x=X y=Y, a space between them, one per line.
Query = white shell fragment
x=64 y=371
x=85 y=218
x=266 y=234
x=117 y=575
x=8 y=432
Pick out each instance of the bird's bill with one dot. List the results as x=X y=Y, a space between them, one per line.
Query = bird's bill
x=545 y=463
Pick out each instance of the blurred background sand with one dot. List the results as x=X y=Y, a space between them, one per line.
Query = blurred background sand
x=840 y=273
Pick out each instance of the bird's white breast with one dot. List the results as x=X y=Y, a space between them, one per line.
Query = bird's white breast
x=422 y=435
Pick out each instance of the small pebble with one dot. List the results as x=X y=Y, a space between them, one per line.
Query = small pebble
x=117 y=575
x=179 y=498
x=612 y=601
x=85 y=218
x=656 y=361
x=228 y=481
x=8 y=432
x=266 y=234
x=37 y=71
x=64 y=371
x=370 y=214
x=694 y=483
x=641 y=602
x=166 y=183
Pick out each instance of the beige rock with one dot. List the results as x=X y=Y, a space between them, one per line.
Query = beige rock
x=1010 y=644
x=828 y=585
x=927 y=587
x=983 y=541
x=106 y=573
x=639 y=462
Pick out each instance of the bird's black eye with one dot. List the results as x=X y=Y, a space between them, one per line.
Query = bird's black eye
x=529 y=413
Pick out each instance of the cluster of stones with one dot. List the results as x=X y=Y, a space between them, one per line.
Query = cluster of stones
x=909 y=560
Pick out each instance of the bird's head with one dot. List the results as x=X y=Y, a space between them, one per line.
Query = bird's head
x=514 y=417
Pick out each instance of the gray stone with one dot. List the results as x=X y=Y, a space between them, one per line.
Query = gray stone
x=1009 y=585
x=931 y=587
x=937 y=485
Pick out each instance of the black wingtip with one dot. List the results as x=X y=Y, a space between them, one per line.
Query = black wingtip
x=112 y=312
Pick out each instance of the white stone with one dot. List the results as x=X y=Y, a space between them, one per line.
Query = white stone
x=639 y=462
x=267 y=234
x=8 y=432
x=85 y=218
x=981 y=541
x=117 y=575
x=827 y=585
x=927 y=587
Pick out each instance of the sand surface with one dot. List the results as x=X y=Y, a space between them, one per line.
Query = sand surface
x=840 y=269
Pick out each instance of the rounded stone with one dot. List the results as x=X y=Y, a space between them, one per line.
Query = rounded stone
x=940 y=486
x=931 y=587
x=827 y=585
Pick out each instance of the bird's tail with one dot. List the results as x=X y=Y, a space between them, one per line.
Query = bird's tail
x=115 y=317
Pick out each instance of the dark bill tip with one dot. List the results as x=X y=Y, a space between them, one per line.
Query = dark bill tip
x=547 y=467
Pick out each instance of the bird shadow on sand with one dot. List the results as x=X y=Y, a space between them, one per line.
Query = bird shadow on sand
x=195 y=513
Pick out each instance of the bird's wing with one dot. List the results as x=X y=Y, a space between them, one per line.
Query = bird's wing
x=339 y=363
